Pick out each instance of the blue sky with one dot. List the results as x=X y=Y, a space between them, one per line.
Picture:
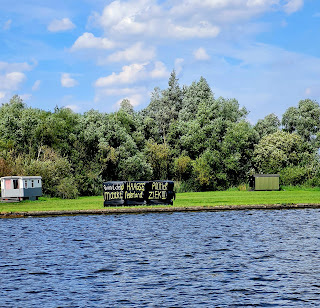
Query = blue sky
x=90 y=54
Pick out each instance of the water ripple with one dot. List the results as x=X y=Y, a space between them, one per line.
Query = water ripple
x=205 y=259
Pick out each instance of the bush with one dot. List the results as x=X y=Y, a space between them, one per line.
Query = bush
x=67 y=189
x=294 y=175
x=186 y=186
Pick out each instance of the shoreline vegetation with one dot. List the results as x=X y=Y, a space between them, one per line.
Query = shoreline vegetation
x=185 y=134
x=288 y=197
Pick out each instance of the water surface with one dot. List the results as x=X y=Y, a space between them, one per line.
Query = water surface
x=262 y=258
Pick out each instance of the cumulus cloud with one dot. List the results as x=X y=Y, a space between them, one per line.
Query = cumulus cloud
x=60 y=25
x=159 y=71
x=67 y=81
x=201 y=54
x=130 y=74
x=133 y=73
x=179 y=21
x=88 y=40
x=144 y=17
x=136 y=52
x=12 y=77
x=11 y=81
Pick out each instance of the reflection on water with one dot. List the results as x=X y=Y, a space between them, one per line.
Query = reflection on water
x=205 y=259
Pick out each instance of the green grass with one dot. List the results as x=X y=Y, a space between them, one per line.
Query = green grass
x=290 y=195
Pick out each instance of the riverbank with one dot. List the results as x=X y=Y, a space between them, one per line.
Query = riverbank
x=196 y=201
x=169 y=209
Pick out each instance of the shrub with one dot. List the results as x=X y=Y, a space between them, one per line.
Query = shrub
x=67 y=189
x=294 y=175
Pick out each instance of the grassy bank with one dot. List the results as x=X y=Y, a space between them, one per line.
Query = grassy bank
x=212 y=198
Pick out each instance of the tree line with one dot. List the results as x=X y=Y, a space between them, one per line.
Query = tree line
x=184 y=134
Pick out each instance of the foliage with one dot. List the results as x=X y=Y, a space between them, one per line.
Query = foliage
x=185 y=134
x=294 y=175
x=304 y=120
x=269 y=125
x=183 y=167
x=67 y=189
x=280 y=150
x=158 y=156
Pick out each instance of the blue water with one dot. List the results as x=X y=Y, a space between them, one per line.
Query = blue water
x=205 y=259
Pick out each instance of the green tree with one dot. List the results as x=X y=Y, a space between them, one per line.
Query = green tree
x=158 y=156
x=237 y=149
x=164 y=107
x=280 y=150
x=183 y=167
x=268 y=125
x=198 y=93
x=304 y=120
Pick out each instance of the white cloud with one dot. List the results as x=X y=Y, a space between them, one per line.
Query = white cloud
x=14 y=67
x=159 y=71
x=88 y=40
x=11 y=81
x=184 y=19
x=135 y=100
x=136 y=95
x=202 y=30
x=2 y=95
x=12 y=76
x=130 y=74
x=136 y=52
x=133 y=73
x=36 y=85
x=201 y=54
x=67 y=81
x=59 y=25
x=293 y=6
x=144 y=17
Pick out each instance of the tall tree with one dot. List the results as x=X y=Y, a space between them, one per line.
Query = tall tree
x=304 y=120
x=165 y=106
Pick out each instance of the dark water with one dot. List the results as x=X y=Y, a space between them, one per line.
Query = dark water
x=205 y=259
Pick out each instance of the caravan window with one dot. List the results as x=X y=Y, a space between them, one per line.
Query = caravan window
x=32 y=183
x=15 y=184
x=25 y=184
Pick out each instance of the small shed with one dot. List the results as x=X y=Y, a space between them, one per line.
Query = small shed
x=21 y=187
x=265 y=182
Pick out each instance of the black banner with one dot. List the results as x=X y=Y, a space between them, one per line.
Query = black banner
x=138 y=193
